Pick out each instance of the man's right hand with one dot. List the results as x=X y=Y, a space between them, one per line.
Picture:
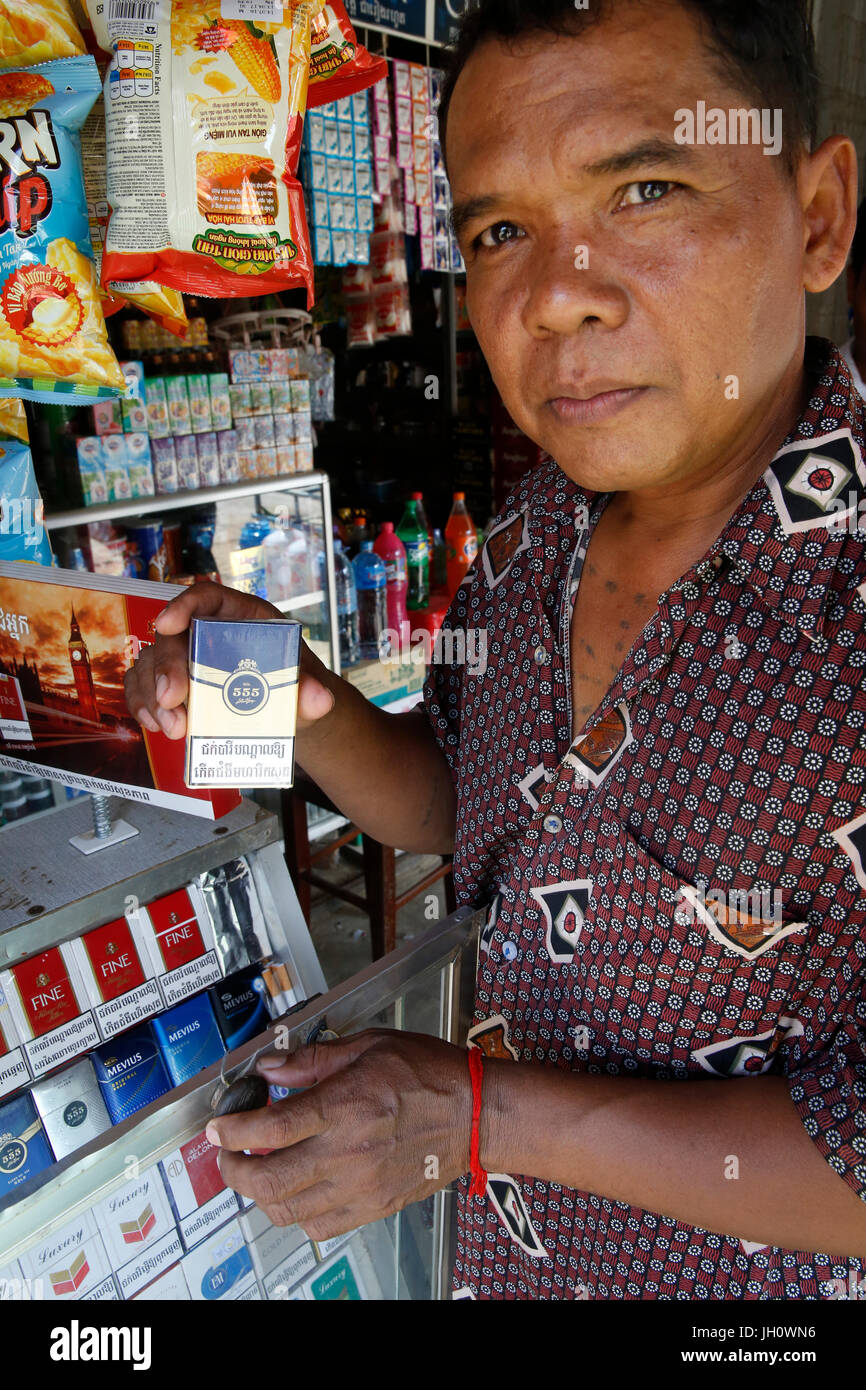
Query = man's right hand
x=157 y=685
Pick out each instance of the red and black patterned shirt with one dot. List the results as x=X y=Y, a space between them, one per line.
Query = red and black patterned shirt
x=679 y=894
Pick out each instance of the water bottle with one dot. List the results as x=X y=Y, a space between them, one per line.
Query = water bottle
x=414 y=537
x=371 y=579
x=347 y=607
x=277 y=565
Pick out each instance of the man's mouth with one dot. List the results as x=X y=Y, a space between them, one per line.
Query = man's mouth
x=594 y=402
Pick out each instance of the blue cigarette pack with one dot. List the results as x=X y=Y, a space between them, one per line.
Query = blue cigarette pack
x=24 y=1148
x=239 y=1003
x=130 y=1073
x=189 y=1038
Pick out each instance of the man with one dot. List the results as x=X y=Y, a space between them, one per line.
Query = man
x=658 y=782
x=854 y=351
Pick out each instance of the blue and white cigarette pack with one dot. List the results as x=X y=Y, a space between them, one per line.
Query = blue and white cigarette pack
x=130 y=1073
x=24 y=1149
x=240 y=1007
x=188 y=1038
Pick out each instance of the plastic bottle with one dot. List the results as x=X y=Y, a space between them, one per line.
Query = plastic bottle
x=440 y=561
x=347 y=607
x=371 y=579
x=461 y=538
x=414 y=537
x=418 y=497
x=392 y=550
x=277 y=565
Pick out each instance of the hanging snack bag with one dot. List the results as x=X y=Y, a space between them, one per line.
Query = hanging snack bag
x=22 y=530
x=13 y=421
x=164 y=306
x=204 y=116
x=37 y=31
x=339 y=65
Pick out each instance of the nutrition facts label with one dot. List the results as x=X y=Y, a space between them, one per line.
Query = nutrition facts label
x=131 y=71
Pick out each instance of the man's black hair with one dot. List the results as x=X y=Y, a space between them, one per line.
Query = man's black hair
x=858 y=247
x=765 y=47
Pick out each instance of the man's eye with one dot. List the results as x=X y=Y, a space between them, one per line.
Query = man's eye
x=499 y=234
x=651 y=191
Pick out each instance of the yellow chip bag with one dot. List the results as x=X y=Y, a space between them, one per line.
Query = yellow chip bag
x=53 y=341
x=37 y=31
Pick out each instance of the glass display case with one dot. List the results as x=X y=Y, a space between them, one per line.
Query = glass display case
x=140 y=1210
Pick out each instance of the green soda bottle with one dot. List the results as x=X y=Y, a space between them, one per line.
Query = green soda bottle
x=414 y=537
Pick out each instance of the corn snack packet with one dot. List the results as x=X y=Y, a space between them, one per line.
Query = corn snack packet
x=37 y=31
x=13 y=421
x=339 y=64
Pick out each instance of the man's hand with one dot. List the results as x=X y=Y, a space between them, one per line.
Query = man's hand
x=157 y=685
x=386 y=1122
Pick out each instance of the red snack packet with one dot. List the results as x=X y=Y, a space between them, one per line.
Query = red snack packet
x=339 y=64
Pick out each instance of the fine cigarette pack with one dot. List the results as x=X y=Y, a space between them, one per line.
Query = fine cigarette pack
x=71 y=1107
x=118 y=975
x=243 y=702
x=48 y=1003
x=130 y=1073
x=139 y=1231
x=24 y=1147
x=201 y=1201
x=180 y=946
x=188 y=1038
x=14 y=1071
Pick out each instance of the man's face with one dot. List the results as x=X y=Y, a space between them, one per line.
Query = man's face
x=695 y=255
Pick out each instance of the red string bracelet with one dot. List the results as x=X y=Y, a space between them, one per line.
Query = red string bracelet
x=478 y=1187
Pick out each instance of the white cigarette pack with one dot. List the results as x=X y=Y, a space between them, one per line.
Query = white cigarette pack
x=71 y=1107
x=201 y=1200
x=221 y=1267
x=71 y=1263
x=170 y=1287
x=139 y=1231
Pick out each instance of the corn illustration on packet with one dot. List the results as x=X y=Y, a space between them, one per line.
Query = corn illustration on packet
x=204 y=109
x=53 y=341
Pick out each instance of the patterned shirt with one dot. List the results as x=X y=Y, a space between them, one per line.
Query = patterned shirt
x=679 y=893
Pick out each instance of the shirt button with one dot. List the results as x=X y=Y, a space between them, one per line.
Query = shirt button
x=541 y=657
x=509 y=950
x=552 y=825
x=717 y=562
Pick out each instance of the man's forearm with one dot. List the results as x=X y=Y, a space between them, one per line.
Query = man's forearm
x=384 y=771
x=729 y=1156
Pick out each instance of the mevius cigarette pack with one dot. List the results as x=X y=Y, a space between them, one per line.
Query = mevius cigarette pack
x=48 y=1003
x=188 y=1038
x=240 y=1006
x=139 y=1231
x=71 y=1107
x=201 y=1200
x=71 y=1262
x=180 y=946
x=130 y=1073
x=14 y=1071
x=118 y=975
x=243 y=702
x=24 y=1149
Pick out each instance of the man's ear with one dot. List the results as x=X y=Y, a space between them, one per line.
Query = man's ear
x=827 y=181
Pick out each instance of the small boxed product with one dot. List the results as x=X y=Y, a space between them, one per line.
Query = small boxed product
x=186 y=449
x=286 y=463
x=240 y=400
x=201 y=1201
x=188 y=1038
x=248 y=464
x=281 y=397
x=208 y=459
x=71 y=1107
x=118 y=976
x=263 y=426
x=303 y=427
x=266 y=462
x=341 y=1279
x=107 y=417
x=139 y=1231
x=164 y=464
x=199 y=403
x=133 y=375
x=156 y=405
x=300 y=393
x=243 y=701
x=303 y=458
x=177 y=395
x=220 y=1267
x=139 y=465
x=180 y=945
x=282 y=1257
x=220 y=401
x=24 y=1147
x=48 y=1003
x=260 y=398
x=134 y=415
x=14 y=1071
x=240 y=1007
x=227 y=443
x=71 y=1263
x=170 y=1287
x=246 y=432
x=130 y=1073
x=117 y=478
x=284 y=429
x=91 y=470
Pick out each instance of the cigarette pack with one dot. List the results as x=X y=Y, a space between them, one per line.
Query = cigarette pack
x=326 y=1248
x=24 y=1147
x=201 y=1201
x=130 y=1073
x=180 y=945
x=118 y=975
x=243 y=701
x=71 y=1107
x=188 y=1038
x=170 y=1287
x=341 y=1279
x=48 y=1003
x=239 y=1004
x=14 y=1071
x=71 y=1262
x=139 y=1231
x=282 y=1256
x=220 y=1267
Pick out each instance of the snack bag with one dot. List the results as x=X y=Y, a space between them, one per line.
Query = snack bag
x=204 y=117
x=37 y=31
x=163 y=305
x=339 y=65
x=22 y=531
x=53 y=341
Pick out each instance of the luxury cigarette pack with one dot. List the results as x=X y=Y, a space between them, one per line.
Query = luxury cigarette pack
x=139 y=1231
x=24 y=1148
x=71 y=1262
x=201 y=1200
x=188 y=1038
x=118 y=976
x=339 y=1280
x=48 y=1003
x=14 y=1071
x=130 y=1073
x=71 y=1107
x=180 y=945
x=243 y=702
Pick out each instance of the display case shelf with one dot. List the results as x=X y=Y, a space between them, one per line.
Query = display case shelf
x=173 y=501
